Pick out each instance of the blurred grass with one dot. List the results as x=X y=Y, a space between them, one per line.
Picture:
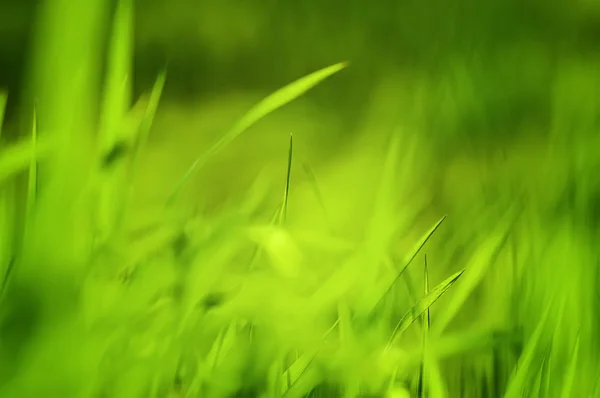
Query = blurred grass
x=105 y=295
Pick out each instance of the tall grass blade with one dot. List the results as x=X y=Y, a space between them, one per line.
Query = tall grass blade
x=286 y=193
x=409 y=259
x=475 y=271
x=298 y=369
x=117 y=94
x=423 y=304
x=143 y=128
x=569 y=379
x=268 y=105
x=32 y=177
x=421 y=392
x=16 y=158
x=116 y=103
x=520 y=378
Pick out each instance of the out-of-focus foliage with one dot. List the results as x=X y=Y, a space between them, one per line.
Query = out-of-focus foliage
x=314 y=265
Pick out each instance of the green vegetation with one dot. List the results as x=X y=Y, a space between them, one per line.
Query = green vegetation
x=354 y=284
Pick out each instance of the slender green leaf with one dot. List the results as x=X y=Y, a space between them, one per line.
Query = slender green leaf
x=32 y=179
x=286 y=193
x=117 y=95
x=142 y=129
x=569 y=379
x=422 y=383
x=518 y=383
x=268 y=105
x=17 y=157
x=413 y=253
x=475 y=270
x=423 y=304
x=299 y=368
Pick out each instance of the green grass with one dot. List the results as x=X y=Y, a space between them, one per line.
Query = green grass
x=234 y=304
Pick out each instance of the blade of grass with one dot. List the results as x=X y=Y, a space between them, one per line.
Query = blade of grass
x=421 y=385
x=139 y=132
x=17 y=157
x=434 y=383
x=545 y=374
x=116 y=102
x=569 y=379
x=280 y=215
x=6 y=215
x=298 y=369
x=409 y=259
x=117 y=94
x=143 y=129
x=520 y=379
x=423 y=304
x=286 y=193
x=268 y=105
x=475 y=271
x=32 y=177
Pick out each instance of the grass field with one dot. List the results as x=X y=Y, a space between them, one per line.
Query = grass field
x=389 y=269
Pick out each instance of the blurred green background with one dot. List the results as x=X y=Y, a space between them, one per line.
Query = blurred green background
x=490 y=97
x=511 y=52
x=493 y=95
x=496 y=104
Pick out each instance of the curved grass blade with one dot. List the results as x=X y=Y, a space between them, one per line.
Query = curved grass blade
x=569 y=380
x=116 y=101
x=268 y=105
x=143 y=130
x=32 y=179
x=17 y=157
x=117 y=95
x=301 y=365
x=409 y=259
x=423 y=304
x=519 y=380
x=286 y=193
x=421 y=387
x=478 y=265
x=280 y=214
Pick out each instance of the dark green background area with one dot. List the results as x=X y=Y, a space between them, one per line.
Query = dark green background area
x=510 y=49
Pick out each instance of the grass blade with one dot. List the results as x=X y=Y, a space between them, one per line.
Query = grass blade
x=475 y=271
x=569 y=380
x=421 y=392
x=519 y=381
x=117 y=95
x=33 y=174
x=268 y=105
x=143 y=129
x=17 y=157
x=286 y=194
x=299 y=368
x=423 y=304
x=409 y=259
x=116 y=103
